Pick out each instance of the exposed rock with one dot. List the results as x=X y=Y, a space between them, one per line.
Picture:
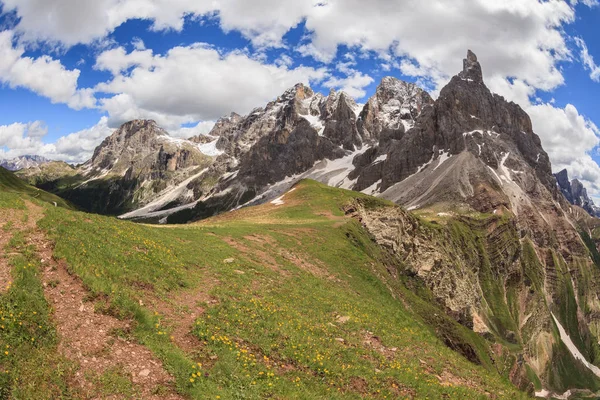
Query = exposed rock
x=576 y=193
x=23 y=162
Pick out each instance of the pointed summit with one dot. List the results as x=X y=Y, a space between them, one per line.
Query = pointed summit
x=471 y=68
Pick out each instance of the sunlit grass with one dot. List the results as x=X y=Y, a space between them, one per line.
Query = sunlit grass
x=331 y=329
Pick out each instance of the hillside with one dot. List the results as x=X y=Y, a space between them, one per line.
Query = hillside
x=284 y=300
x=10 y=184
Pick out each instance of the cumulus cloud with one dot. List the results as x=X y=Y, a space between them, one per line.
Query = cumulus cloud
x=201 y=128
x=43 y=75
x=192 y=83
x=569 y=138
x=70 y=22
x=117 y=60
x=353 y=84
x=27 y=138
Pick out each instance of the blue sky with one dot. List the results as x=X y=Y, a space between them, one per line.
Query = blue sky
x=73 y=70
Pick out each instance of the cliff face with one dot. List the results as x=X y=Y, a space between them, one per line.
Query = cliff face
x=537 y=306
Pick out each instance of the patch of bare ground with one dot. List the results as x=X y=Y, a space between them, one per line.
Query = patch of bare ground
x=447 y=378
x=256 y=254
x=11 y=221
x=180 y=312
x=340 y=220
x=5 y=275
x=375 y=343
x=302 y=261
x=87 y=337
x=262 y=248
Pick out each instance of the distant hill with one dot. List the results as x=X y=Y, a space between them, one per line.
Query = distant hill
x=9 y=183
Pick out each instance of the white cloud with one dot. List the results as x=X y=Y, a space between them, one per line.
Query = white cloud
x=117 y=60
x=193 y=83
x=284 y=60
x=569 y=139
x=79 y=146
x=353 y=84
x=589 y=3
x=588 y=60
x=201 y=128
x=70 y=22
x=138 y=43
x=21 y=135
x=27 y=138
x=42 y=75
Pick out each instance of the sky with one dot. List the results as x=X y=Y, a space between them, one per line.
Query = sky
x=72 y=71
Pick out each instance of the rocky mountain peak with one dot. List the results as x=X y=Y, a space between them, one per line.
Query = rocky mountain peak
x=139 y=146
x=298 y=92
x=576 y=193
x=135 y=134
x=471 y=68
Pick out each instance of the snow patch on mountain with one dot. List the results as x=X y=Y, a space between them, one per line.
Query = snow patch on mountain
x=444 y=156
x=174 y=193
x=573 y=349
x=315 y=122
x=373 y=189
x=210 y=149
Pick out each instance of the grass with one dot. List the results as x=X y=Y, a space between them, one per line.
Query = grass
x=298 y=302
x=30 y=366
x=10 y=185
x=316 y=321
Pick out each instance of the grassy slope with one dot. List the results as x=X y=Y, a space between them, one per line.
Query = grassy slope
x=28 y=340
x=304 y=310
x=10 y=185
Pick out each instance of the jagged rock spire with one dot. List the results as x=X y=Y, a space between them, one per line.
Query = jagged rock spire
x=471 y=68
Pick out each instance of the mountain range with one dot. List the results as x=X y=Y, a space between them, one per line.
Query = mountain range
x=22 y=162
x=486 y=232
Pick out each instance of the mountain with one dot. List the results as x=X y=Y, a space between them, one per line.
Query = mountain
x=22 y=162
x=576 y=193
x=136 y=164
x=485 y=252
x=46 y=172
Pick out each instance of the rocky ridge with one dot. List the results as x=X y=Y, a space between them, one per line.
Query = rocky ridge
x=23 y=162
x=576 y=193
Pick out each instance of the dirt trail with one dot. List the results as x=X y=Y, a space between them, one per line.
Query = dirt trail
x=90 y=338
x=181 y=311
